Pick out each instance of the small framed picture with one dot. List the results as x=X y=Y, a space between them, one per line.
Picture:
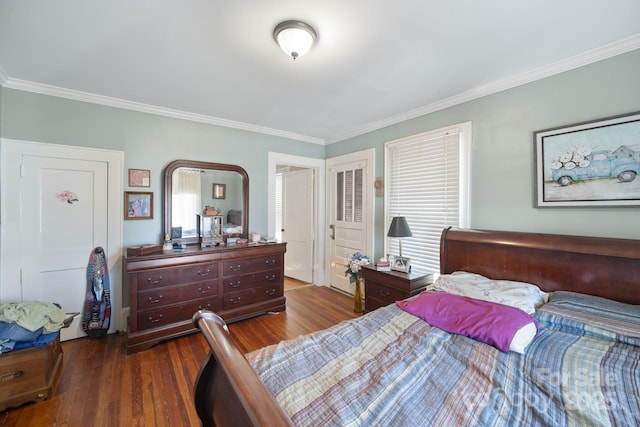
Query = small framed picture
x=139 y=178
x=176 y=233
x=138 y=205
x=219 y=191
x=401 y=264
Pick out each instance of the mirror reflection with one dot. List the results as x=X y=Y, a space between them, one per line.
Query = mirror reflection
x=197 y=190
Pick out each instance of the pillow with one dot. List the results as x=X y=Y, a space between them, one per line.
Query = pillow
x=525 y=296
x=501 y=326
x=599 y=306
x=614 y=316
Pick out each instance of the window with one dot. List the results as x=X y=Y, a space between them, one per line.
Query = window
x=186 y=200
x=427 y=181
x=349 y=200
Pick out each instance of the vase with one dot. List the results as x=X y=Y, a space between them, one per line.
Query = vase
x=357 y=296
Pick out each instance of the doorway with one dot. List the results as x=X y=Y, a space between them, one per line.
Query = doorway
x=295 y=219
x=350 y=210
x=298 y=206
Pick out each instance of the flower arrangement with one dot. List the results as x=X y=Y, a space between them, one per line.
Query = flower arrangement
x=355 y=261
x=572 y=159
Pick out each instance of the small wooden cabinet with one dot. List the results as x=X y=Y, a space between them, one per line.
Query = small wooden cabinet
x=30 y=374
x=166 y=289
x=385 y=287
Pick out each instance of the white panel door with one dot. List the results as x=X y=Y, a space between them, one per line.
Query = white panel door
x=64 y=217
x=298 y=224
x=350 y=213
x=59 y=203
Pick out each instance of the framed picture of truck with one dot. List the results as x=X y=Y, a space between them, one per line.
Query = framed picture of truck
x=589 y=164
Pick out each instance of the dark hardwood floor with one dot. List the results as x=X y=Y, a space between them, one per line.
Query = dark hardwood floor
x=101 y=386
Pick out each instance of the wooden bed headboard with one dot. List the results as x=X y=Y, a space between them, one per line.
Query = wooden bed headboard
x=605 y=267
x=228 y=392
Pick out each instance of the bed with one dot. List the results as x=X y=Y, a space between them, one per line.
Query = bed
x=390 y=367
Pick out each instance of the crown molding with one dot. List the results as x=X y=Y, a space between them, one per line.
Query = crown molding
x=607 y=51
x=75 y=95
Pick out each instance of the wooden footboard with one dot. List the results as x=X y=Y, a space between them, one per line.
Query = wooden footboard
x=228 y=392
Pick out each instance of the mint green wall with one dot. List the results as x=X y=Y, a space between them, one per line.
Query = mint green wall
x=502 y=160
x=502 y=153
x=149 y=142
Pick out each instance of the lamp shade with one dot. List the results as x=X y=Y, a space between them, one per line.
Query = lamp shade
x=399 y=227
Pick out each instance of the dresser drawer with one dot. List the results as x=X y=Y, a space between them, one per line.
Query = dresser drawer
x=241 y=282
x=250 y=296
x=174 y=313
x=161 y=277
x=383 y=293
x=174 y=294
x=250 y=265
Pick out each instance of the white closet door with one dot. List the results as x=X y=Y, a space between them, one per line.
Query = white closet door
x=62 y=207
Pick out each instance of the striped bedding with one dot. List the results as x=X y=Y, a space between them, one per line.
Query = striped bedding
x=389 y=368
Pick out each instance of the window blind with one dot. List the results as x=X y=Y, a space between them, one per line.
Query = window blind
x=424 y=182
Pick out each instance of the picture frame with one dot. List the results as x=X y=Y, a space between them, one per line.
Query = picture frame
x=594 y=163
x=401 y=264
x=138 y=205
x=219 y=191
x=176 y=233
x=139 y=178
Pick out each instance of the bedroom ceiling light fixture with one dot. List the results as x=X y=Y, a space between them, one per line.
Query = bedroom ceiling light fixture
x=294 y=37
x=399 y=228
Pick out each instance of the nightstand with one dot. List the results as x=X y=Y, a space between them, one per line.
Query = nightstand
x=385 y=287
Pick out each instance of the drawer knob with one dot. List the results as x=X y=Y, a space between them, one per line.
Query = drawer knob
x=159 y=318
x=154 y=281
x=270 y=262
x=202 y=307
x=235 y=300
x=157 y=300
x=235 y=267
x=204 y=273
x=234 y=284
x=383 y=293
x=271 y=292
x=270 y=277
x=204 y=291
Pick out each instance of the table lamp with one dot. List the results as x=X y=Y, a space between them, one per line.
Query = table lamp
x=399 y=228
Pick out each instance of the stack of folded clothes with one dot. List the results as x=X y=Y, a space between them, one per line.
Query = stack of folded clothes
x=29 y=324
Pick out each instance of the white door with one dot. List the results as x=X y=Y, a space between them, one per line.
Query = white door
x=276 y=161
x=350 y=212
x=298 y=223
x=64 y=214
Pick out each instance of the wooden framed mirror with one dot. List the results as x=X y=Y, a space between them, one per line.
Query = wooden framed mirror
x=190 y=186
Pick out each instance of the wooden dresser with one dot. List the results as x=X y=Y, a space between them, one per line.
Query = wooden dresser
x=166 y=289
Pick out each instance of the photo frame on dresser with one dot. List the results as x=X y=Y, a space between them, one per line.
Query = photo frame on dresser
x=401 y=264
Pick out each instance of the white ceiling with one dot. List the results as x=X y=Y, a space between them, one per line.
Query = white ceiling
x=376 y=62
